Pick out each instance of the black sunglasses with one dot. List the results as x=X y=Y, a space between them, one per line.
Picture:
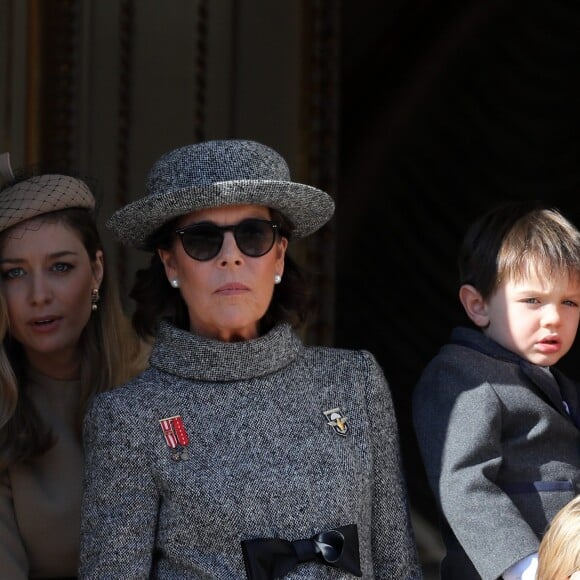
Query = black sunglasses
x=203 y=241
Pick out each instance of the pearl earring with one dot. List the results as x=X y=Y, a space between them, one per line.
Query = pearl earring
x=175 y=283
x=95 y=299
x=277 y=279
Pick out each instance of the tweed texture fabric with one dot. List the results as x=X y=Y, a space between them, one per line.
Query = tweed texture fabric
x=40 y=195
x=263 y=461
x=217 y=173
x=501 y=451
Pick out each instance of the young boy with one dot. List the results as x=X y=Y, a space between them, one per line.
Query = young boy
x=498 y=426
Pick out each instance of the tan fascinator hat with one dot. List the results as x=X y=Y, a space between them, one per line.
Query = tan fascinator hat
x=38 y=195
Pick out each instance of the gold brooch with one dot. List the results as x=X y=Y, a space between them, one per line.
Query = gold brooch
x=337 y=421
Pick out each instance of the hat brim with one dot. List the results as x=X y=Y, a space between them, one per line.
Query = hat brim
x=307 y=207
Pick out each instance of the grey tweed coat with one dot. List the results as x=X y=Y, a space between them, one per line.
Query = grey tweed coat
x=263 y=461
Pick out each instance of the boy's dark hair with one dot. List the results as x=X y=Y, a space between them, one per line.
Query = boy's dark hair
x=514 y=239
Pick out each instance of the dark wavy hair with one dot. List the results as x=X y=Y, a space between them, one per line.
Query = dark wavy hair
x=156 y=299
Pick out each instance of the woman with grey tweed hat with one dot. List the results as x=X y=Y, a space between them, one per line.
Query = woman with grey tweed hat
x=63 y=338
x=240 y=452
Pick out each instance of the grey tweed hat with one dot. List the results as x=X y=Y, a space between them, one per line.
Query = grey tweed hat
x=218 y=173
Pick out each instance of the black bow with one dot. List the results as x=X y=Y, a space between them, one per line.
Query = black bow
x=269 y=558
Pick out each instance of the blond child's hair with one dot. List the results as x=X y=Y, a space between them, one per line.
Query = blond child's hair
x=559 y=553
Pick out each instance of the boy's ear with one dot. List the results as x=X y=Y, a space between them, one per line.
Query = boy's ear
x=474 y=305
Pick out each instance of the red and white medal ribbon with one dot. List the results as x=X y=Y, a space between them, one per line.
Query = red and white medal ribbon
x=175 y=436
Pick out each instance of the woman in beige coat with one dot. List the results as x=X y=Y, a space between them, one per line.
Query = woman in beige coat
x=65 y=338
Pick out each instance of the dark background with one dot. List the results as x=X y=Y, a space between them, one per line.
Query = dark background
x=446 y=108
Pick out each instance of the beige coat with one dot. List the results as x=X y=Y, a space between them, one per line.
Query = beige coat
x=40 y=502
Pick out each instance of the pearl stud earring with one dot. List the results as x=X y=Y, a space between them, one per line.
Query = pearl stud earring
x=277 y=279
x=175 y=283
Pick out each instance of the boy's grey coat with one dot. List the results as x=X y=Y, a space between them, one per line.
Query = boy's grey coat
x=263 y=461
x=501 y=453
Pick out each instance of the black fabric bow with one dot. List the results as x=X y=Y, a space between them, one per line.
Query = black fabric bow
x=269 y=558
